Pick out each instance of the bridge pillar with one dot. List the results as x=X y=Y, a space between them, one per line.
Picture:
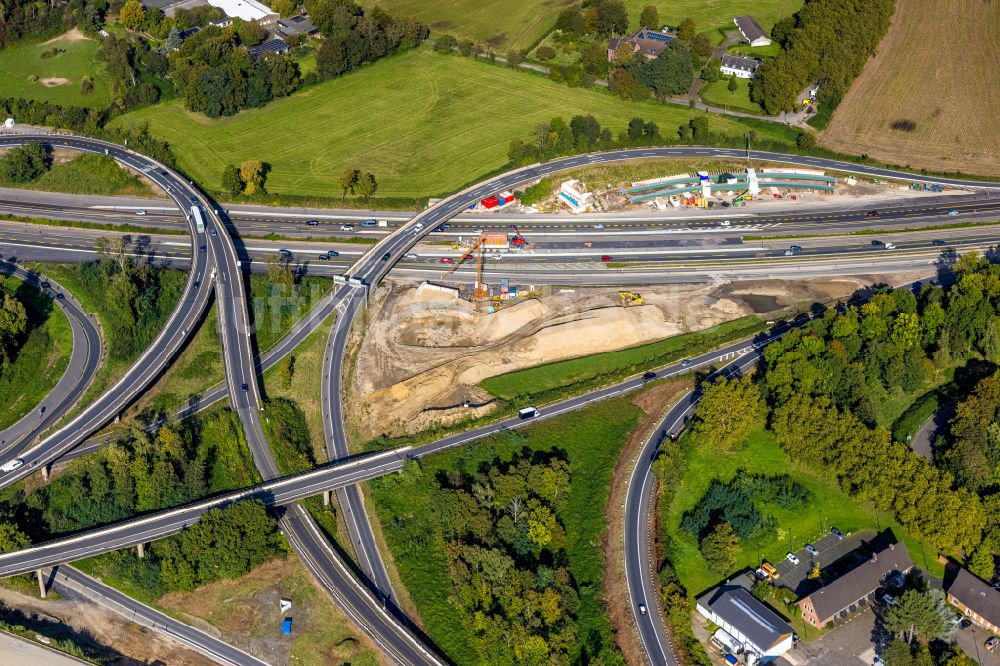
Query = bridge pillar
x=46 y=470
x=140 y=549
x=326 y=497
x=41 y=583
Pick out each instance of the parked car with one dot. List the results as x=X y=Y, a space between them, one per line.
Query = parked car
x=835 y=532
x=792 y=558
x=812 y=549
x=761 y=574
x=769 y=570
x=889 y=599
x=991 y=643
x=877 y=661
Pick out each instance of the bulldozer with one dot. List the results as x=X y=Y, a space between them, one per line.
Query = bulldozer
x=630 y=298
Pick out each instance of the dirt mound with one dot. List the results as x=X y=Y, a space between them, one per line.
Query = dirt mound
x=54 y=82
x=424 y=353
x=70 y=36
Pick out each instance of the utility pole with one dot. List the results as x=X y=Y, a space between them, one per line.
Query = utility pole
x=748 y=145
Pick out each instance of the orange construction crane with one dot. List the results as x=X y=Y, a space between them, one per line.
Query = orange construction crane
x=480 y=291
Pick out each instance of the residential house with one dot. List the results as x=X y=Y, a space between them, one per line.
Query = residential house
x=757 y=629
x=751 y=30
x=979 y=602
x=856 y=588
x=296 y=25
x=739 y=66
x=650 y=43
x=275 y=46
x=248 y=10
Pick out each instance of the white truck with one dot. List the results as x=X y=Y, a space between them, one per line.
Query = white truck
x=527 y=413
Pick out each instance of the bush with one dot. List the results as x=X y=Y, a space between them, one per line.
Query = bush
x=445 y=44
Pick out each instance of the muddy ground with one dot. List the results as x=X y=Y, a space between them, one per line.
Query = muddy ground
x=424 y=353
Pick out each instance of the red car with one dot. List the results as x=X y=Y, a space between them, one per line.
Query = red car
x=446 y=260
x=873 y=213
x=605 y=257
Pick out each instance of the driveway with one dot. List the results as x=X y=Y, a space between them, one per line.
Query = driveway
x=971 y=641
x=844 y=646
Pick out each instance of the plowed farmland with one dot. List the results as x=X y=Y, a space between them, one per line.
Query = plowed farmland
x=931 y=96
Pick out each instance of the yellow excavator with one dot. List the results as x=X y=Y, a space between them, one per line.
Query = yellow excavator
x=630 y=298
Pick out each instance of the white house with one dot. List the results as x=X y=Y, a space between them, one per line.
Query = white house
x=739 y=66
x=248 y=10
x=751 y=30
x=762 y=635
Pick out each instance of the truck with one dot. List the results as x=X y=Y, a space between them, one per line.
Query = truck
x=527 y=413
x=11 y=465
x=199 y=221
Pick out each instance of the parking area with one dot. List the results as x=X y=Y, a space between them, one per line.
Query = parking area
x=829 y=549
x=972 y=641
x=847 y=645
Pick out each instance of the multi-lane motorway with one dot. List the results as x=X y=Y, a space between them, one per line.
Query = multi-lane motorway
x=241 y=367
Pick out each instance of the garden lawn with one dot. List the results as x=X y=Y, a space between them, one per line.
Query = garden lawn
x=423 y=123
x=828 y=507
x=592 y=438
x=21 y=63
x=717 y=94
x=712 y=14
x=618 y=364
x=42 y=358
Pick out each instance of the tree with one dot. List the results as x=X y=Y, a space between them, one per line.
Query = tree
x=287 y=371
x=514 y=58
x=650 y=17
x=232 y=182
x=86 y=85
x=635 y=129
x=24 y=163
x=284 y=7
x=731 y=86
x=132 y=15
x=729 y=409
x=981 y=563
x=250 y=33
x=805 y=140
x=670 y=72
x=252 y=175
x=545 y=53
x=348 y=181
x=924 y=614
x=594 y=57
x=685 y=30
x=720 y=548
x=466 y=47
x=898 y=653
x=12 y=538
x=366 y=185
x=701 y=47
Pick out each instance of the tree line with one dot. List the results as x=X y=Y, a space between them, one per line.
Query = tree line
x=827 y=41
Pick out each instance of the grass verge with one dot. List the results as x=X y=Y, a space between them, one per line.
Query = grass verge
x=90 y=174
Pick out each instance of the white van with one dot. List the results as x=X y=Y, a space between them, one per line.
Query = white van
x=11 y=465
x=527 y=413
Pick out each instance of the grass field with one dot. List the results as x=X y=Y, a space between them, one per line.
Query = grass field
x=428 y=124
x=41 y=360
x=23 y=72
x=618 y=363
x=712 y=14
x=829 y=507
x=928 y=99
x=592 y=439
x=90 y=174
x=717 y=94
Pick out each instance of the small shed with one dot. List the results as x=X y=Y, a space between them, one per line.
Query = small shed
x=286 y=626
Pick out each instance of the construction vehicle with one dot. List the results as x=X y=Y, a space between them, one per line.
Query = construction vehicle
x=480 y=292
x=517 y=241
x=630 y=298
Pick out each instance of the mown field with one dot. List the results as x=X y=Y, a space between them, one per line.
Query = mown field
x=423 y=123
x=712 y=14
x=23 y=71
x=718 y=94
x=928 y=99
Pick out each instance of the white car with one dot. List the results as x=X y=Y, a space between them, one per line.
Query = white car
x=11 y=465
x=889 y=599
x=411 y=255
x=347 y=227
x=890 y=246
x=598 y=226
x=497 y=256
x=791 y=558
x=724 y=223
x=140 y=212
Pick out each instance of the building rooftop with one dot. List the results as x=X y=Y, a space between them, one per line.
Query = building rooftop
x=860 y=581
x=740 y=62
x=737 y=607
x=248 y=10
x=749 y=27
x=296 y=25
x=973 y=593
x=270 y=46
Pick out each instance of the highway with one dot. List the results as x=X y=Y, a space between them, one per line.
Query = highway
x=181 y=323
x=85 y=359
x=241 y=367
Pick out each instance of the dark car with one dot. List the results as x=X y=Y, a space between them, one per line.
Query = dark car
x=873 y=213
x=213 y=231
x=45 y=284
x=795 y=248
x=324 y=257
x=439 y=228
x=938 y=242
x=246 y=387
x=332 y=253
x=194 y=199
x=385 y=257
x=59 y=296
x=201 y=248
x=312 y=223
x=646 y=376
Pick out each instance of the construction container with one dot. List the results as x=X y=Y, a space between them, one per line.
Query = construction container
x=490 y=202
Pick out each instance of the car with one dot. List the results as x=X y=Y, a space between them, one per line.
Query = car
x=953 y=212
x=446 y=225
x=991 y=643
x=685 y=363
x=418 y=226
x=769 y=570
x=837 y=533
x=369 y=222
x=873 y=213
x=605 y=257
x=410 y=255
x=964 y=623
x=46 y=284
x=725 y=223
x=792 y=558
x=761 y=574
x=642 y=609
x=60 y=296
x=246 y=387
x=201 y=248
x=889 y=599
x=478 y=231
x=11 y=465
x=438 y=229
x=795 y=248
x=140 y=212
x=890 y=246
x=730 y=659
x=877 y=661
x=811 y=549
x=446 y=260
x=648 y=375
x=385 y=257
x=937 y=242
x=496 y=256
x=194 y=199
x=212 y=231
x=324 y=256
x=312 y=223
x=598 y=226
x=789 y=253
x=347 y=227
